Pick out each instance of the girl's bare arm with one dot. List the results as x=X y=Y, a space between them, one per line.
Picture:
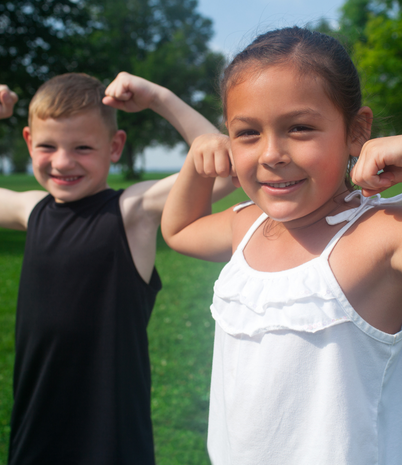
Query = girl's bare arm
x=187 y=224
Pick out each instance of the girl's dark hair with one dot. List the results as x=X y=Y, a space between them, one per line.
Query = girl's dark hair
x=312 y=53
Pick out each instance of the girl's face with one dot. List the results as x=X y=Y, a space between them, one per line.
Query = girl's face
x=288 y=141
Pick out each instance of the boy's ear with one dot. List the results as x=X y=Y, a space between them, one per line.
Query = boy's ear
x=117 y=145
x=26 y=134
x=361 y=130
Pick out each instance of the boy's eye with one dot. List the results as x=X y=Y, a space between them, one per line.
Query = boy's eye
x=84 y=147
x=45 y=147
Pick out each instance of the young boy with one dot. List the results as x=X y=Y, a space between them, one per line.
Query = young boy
x=88 y=282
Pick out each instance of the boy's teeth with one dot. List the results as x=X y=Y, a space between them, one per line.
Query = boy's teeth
x=73 y=178
x=282 y=184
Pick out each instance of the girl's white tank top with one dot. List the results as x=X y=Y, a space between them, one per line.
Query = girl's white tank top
x=298 y=377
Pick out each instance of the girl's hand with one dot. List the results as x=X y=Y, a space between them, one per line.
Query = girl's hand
x=8 y=99
x=212 y=156
x=379 y=165
x=130 y=93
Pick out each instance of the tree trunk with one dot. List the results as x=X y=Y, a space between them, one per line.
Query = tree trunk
x=129 y=162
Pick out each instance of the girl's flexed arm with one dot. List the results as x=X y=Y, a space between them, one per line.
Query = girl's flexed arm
x=379 y=165
x=187 y=224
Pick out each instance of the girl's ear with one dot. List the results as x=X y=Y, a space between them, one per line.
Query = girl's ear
x=361 y=130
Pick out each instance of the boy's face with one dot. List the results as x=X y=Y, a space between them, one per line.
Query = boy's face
x=71 y=156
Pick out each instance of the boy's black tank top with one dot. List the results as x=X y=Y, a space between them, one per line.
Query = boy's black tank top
x=82 y=372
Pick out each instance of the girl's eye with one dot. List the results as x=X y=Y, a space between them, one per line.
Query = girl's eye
x=300 y=128
x=247 y=133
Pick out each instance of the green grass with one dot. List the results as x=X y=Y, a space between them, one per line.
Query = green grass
x=180 y=335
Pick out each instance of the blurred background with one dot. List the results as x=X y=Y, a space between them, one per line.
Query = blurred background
x=183 y=45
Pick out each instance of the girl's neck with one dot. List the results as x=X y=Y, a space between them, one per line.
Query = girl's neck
x=333 y=206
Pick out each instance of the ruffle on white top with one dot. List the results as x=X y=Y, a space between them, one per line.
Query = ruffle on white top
x=249 y=302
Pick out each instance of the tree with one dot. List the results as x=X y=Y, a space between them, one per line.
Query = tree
x=38 y=39
x=379 y=60
x=372 y=31
x=165 y=41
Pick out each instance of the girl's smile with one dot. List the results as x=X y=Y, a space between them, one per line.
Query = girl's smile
x=290 y=147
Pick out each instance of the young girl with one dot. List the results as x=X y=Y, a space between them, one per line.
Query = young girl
x=307 y=365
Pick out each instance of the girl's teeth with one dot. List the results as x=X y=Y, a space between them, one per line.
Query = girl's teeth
x=282 y=184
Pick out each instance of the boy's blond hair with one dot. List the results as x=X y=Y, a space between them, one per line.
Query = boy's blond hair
x=68 y=94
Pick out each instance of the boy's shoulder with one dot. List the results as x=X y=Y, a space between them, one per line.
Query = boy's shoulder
x=16 y=207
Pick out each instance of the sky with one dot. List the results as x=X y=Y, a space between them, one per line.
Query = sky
x=236 y=23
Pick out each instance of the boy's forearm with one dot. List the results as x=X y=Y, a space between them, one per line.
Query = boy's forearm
x=8 y=99
x=188 y=122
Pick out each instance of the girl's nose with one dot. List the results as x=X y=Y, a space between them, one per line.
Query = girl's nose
x=62 y=160
x=274 y=154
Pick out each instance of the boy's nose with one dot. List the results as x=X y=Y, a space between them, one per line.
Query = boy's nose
x=62 y=160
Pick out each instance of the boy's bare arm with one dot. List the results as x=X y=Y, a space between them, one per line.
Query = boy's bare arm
x=133 y=94
x=8 y=99
x=142 y=204
x=15 y=207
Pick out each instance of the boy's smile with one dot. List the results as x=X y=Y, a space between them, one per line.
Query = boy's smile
x=71 y=156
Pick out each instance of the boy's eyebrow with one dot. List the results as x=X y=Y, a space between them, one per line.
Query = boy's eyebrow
x=291 y=114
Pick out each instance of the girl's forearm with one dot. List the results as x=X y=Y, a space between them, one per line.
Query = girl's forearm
x=189 y=200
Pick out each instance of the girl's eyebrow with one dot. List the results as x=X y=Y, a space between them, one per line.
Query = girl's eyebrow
x=291 y=114
x=301 y=112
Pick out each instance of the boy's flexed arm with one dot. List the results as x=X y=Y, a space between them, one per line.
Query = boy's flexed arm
x=142 y=204
x=133 y=94
x=15 y=207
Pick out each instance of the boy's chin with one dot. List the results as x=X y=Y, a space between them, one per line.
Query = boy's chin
x=66 y=197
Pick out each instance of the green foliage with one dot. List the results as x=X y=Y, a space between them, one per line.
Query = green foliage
x=165 y=41
x=38 y=40
x=372 y=32
x=354 y=16
x=379 y=62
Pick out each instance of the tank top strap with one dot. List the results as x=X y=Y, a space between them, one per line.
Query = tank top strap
x=352 y=215
x=257 y=223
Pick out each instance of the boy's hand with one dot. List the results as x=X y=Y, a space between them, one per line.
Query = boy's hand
x=212 y=157
x=8 y=99
x=382 y=155
x=130 y=93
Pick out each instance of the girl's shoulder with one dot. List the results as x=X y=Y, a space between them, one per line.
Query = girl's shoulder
x=242 y=220
x=379 y=231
